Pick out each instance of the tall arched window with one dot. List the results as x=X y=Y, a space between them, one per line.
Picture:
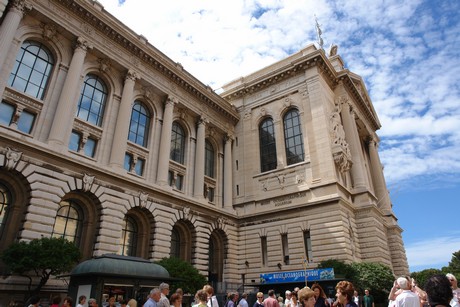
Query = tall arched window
x=175 y=243
x=140 y=123
x=209 y=160
x=267 y=145
x=32 y=69
x=177 y=143
x=68 y=223
x=92 y=100
x=129 y=237
x=5 y=203
x=293 y=137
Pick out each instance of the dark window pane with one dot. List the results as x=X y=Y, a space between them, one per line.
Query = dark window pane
x=267 y=145
x=293 y=138
x=138 y=133
x=177 y=143
x=92 y=100
x=90 y=147
x=74 y=141
x=26 y=122
x=6 y=113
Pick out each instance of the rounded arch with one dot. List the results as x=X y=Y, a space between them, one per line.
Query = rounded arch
x=145 y=224
x=90 y=208
x=218 y=247
x=288 y=109
x=183 y=240
x=293 y=136
x=15 y=208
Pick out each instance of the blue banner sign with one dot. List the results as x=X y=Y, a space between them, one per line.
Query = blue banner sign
x=297 y=276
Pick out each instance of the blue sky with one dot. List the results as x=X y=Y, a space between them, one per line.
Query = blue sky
x=406 y=51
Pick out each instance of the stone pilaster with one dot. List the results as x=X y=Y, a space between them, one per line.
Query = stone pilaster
x=9 y=26
x=351 y=134
x=381 y=192
x=165 y=142
x=120 y=136
x=199 y=159
x=228 y=173
x=63 y=118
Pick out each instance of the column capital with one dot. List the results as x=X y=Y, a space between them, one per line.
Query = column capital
x=373 y=142
x=171 y=101
x=82 y=44
x=229 y=138
x=21 y=5
x=203 y=121
x=131 y=75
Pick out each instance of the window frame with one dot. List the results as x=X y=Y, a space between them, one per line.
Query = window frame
x=94 y=90
x=293 y=137
x=141 y=115
x=177 y=149
x=267 y=148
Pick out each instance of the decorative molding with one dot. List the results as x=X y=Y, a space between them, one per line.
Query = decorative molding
x=88 y=181
x=12 y=158
x=105 y=65
x=143 y=198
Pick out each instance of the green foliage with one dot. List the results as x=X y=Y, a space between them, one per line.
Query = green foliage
x=190 y=278
x=376 y=277
x=341 y=269
x=422 y=276
x=454 y=264
x=42 y=258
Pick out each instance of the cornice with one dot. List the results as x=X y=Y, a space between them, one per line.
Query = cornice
x=358 y=98
x=148 y=54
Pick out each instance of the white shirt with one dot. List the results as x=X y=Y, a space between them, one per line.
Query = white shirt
x=243 y=303
x=407 y=298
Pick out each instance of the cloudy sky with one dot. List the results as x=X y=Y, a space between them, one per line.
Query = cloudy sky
x=406 y=51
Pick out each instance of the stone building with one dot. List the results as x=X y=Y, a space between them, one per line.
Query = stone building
x=106 y=141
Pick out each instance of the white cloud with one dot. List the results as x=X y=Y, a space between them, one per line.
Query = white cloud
x=432 y=252
x=407 y=53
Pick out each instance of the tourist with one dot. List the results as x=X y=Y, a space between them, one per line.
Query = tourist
x=439 y=291
x=407 y=298
x=132 y=303
x=344 y=294
x=81 y=301
x=271 y=300
x=154 y=298
x=34 y=301
x=281 y=301
x=320 y=296
x=202 y=297
x=368 y=299
x=67 y=302
x=306 y=297
x=92 y=302
x=175 y=300
x=55 y=301
x=287 y=301
x=260 y=300
x=232 y=298
x=455 y=290
x=356 y=298
x=243 y=302
x=164 y=301
x=212 y=299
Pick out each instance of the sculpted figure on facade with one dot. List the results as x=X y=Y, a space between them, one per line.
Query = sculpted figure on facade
x=143 y=197
x=87 y=182
x=12 y=158
x=340 y=148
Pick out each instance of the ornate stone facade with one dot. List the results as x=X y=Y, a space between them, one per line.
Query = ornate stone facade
x=122 y=135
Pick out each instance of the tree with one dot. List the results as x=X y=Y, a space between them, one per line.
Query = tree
x=454 y=264
x=422 y=276
x=376 y=277
x=40 y=258
x=190 y=278
x=341 y=268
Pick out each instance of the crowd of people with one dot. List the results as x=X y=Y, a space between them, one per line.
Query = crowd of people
x=439 y=291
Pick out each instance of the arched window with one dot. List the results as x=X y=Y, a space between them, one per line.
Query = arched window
x=92 y=100
x=32 y=69
x=140 y=123
x=267 y=145
x=68 y=223
x=175 y=243
x=293 y=137
x=129 y=237
x=5 y=203
x=209 y=160
x=177 y=143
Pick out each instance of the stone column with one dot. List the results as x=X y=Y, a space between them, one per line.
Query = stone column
x=9 y=26
x=65 y=111
x=351 y=134
x=198 y=185
x=120 y=136
x=381 y=192
x=228 y=174
x=165 y=142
